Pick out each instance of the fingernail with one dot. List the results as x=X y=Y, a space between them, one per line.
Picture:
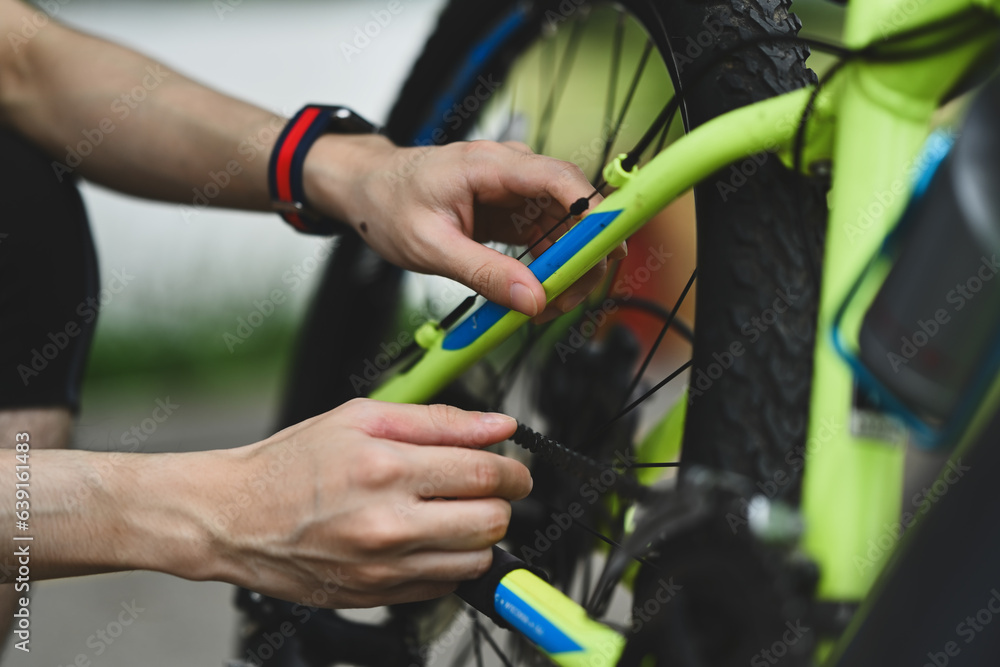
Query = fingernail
x=523 y=300
x=625 y=247
x=496 y=418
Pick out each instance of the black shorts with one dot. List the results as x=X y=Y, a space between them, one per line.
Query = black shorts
x=48 y=280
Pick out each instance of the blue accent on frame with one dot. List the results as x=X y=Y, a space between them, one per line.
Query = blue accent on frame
x=526 y=620
x=467 y=76
x=543 y=267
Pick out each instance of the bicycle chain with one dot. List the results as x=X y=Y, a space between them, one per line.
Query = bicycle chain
x=579 y=464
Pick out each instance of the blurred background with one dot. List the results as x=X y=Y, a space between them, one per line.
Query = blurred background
x=196 y=273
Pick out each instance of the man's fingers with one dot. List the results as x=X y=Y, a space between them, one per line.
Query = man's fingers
x=537 y=175
x=459 y=525
x=519 y=146
x=431 y=424
x=413 y=591
x=495 y=176
x=499 y=278
x=437 y=565
x=420 y=567
x=446 y=472
x=578 y=291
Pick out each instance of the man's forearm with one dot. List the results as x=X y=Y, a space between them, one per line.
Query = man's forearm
x=91 y=512
x=145 y=129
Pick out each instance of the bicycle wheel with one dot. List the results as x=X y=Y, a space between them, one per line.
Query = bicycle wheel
x=756 y=222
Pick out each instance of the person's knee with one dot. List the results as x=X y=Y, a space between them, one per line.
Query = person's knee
x=50 y=428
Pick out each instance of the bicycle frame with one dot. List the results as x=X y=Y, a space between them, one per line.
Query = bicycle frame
x=870 y=122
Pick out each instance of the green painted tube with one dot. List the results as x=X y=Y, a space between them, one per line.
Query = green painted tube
x=768 y=125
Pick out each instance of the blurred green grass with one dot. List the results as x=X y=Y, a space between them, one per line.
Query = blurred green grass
x=144 y=359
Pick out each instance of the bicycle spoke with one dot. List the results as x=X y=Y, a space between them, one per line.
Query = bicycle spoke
x=585 y=578
x=616 y=59
x=610 y=542
x=662 y=141
x=547 y=64
x=496 y=649
x=627 y=102
x=659 y=338
x=634 y=404
x=555 y=93
x=511 y=118
x=477 y=633
x=506 y=377
x=680 y=327
x=556 y=226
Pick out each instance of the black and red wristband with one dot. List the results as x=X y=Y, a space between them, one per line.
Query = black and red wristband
x=284 y=173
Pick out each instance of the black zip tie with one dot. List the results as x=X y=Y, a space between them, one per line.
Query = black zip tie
x=573 y=461
x=579 y=206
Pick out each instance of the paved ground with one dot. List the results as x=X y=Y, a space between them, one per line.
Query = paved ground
x=170 y=621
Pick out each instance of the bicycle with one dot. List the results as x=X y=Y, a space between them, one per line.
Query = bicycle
x=775 y=431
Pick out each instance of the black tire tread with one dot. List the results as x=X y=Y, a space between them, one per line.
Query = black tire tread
x=751 y=243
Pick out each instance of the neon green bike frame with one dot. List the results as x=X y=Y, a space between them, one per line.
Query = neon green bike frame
x=870 y=122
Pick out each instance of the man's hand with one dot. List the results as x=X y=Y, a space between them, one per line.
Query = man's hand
x=428 y=209
x=376 y=503
x=369 y=504
x=425 y=209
